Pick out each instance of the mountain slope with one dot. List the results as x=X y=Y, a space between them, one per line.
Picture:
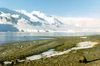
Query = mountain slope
x=28 y=22
x=36 y=21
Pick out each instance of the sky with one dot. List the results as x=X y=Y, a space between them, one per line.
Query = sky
x=66 y=8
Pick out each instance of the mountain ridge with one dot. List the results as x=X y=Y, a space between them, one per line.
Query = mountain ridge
x=36 y=21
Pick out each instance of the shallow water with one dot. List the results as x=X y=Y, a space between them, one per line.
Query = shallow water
x=16 y=37
x=6 y=37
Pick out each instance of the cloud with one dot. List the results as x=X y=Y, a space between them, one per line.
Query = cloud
x=82 y=23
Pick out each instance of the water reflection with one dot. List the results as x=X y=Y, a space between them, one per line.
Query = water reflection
x=6 y=37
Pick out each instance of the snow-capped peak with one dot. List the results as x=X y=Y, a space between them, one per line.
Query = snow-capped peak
x=38 y=13
x=25 y=21
x=21 y=11
x=36 y=21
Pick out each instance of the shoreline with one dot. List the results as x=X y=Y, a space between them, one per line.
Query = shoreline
x=21 y=50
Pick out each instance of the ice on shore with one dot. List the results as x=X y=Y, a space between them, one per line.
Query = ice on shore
x=52 y=52
x=39 y=56
x=7 y=62
x=34 y=57
x=86 y=44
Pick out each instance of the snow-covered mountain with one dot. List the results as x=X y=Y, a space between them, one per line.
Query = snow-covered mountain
x=21 y=20
x=36 y=21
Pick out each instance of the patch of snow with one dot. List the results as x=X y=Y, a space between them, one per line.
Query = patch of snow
x=52 y=52
x=83 y=37
x=58 y=53
x=39 y=56
x=81 y=45
x=21 y=60
x=34 y=57
x=86 y=44
x=5 y=15
x=32 y=18
x=15 y=15
x=7 y=62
